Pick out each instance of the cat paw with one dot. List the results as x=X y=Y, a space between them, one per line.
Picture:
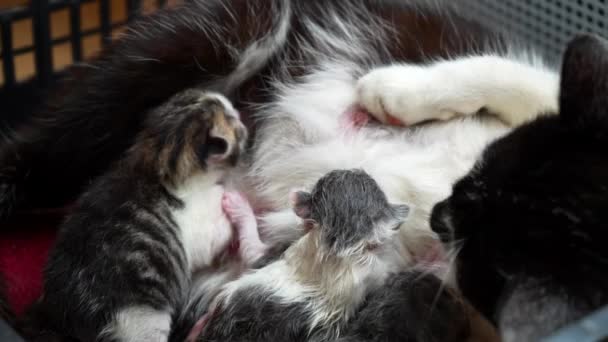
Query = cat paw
x=240 y=214
x=237 y=209
x=402 y=95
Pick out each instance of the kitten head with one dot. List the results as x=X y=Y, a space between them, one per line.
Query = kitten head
x=194 y=130
x=350 y=212
x=535 y=206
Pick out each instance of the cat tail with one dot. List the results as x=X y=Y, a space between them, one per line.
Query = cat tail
x=92 y=118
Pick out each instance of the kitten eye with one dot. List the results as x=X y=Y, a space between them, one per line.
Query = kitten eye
x=216 y=146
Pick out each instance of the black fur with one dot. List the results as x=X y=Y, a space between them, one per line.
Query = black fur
x=6 y=313
x=533 y=214
x=413 y=306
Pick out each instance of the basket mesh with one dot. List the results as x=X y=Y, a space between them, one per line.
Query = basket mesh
x=546 y=24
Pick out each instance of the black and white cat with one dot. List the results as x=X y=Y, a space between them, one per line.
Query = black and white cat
x=293 y=68
x=532 y=214
x=319 y=283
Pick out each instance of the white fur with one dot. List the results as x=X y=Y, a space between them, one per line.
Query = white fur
x=228 y=107
x=516 y=92
x=139 y=324
x=329 y=288
x=533 y=312
x=255 y=56
x=416 y=166
x=280 y=226
x=302 y=139
x=205 y=230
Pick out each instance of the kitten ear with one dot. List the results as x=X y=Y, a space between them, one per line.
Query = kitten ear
x=584 y=82
x=300 y=202
x=309 y=224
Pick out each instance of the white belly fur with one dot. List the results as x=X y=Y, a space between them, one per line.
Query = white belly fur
x=418 y=167
x=205 y=230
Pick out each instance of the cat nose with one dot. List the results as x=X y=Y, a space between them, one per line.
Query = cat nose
x=441 y=221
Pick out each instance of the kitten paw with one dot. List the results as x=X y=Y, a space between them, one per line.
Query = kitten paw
x=401 y=95
x=240 y=214
x=237 y=209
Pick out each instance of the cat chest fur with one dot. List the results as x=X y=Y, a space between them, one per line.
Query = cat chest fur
x=205 y=230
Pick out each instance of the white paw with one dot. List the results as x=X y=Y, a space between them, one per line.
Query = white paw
x=403 y=94
x=237 y=209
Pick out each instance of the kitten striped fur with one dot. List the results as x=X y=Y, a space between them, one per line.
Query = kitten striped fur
x=122 y=265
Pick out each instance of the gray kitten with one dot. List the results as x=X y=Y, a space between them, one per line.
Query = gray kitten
x=318 y=284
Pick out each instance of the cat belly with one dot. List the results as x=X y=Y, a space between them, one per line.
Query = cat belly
x=416 y=167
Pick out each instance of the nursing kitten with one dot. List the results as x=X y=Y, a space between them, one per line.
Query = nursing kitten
x=122 y=264
x=311 y=292
x=532 y=214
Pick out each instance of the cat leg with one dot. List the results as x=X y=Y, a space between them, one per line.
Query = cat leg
x=139 y=324
x=514 y=90
x=241 y=215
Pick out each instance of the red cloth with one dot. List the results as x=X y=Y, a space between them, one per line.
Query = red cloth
x=25 y=242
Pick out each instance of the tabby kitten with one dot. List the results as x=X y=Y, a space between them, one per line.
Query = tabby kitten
x=123 y=261
x=533 y=213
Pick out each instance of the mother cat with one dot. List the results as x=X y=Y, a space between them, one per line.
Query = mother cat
x=293 y=67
